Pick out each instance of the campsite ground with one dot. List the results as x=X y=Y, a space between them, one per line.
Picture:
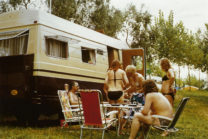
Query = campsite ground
x=192 y=124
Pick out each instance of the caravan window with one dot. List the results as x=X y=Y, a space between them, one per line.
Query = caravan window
x=13 y=42
x=88 y=55
x=56 y=48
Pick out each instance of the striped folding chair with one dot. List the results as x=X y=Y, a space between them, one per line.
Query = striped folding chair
x=71 y=112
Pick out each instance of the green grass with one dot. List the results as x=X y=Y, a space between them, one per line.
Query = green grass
x=193 y=124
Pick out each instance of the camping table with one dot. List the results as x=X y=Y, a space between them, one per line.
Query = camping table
x=121 y=107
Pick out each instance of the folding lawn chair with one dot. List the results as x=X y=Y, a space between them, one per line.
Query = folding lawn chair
x=172 y=122
x=71 y=112
x=94 y=112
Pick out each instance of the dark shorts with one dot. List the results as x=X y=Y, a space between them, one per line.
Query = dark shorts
x=114 y=95
x=164 y=122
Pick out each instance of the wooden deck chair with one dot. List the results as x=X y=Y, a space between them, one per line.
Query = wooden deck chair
x=94 y=113
x=71 y=112
x=172 y=122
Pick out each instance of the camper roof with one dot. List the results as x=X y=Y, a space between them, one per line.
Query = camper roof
x=28 y=17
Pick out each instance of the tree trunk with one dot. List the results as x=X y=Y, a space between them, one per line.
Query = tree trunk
x=207 y=80
x=179 y=76
x=199 y=80
x=189 y=78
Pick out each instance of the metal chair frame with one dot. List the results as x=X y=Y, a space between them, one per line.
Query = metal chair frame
x=173 y=121
x=102 y=123
x=171 y=126
x=71 y=112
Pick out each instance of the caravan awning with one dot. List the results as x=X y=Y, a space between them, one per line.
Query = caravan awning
x=63 y=39
x=11 y=34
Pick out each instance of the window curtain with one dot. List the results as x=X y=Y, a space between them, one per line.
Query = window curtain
x=14 y=46
x=56 y=48
x=92 y=56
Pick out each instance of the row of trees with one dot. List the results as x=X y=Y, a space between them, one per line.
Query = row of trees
x=161 y=38
x=193 y=81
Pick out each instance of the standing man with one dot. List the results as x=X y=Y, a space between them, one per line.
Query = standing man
x=155 y=104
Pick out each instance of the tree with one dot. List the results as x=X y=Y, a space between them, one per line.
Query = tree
x=194 y=82
x=138 y=31
x=3 y=7
x=15 y=3
x=175 y=42
x=11 y=5
x=94 y=14
x=156 y=70
x=66 y=9
x=179 y=83
x=110 y=20
x=170 y=38
x=202 y=41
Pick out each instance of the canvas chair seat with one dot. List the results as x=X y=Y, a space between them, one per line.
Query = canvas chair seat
x=94 y=113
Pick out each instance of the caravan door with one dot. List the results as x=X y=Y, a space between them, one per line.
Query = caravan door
x=134 y=57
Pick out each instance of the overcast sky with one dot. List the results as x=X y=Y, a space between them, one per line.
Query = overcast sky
x=193 y=13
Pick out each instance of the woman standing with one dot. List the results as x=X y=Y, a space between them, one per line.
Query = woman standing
x=168 y=80
x=115 y=82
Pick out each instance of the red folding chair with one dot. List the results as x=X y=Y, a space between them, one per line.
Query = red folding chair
x=94 y=112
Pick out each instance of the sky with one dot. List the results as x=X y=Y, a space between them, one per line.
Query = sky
x=193 y=13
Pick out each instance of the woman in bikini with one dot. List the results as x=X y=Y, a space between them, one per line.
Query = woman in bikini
x=115 y=82
x=114 y=85
x=168 y=80
x=135 y=81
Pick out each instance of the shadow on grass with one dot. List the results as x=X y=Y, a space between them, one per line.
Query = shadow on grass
x=39 y=124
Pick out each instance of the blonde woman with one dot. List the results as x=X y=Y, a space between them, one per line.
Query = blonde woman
x=135 y=80
x=168 y=80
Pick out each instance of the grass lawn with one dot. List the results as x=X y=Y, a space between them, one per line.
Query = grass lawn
x=193 y=124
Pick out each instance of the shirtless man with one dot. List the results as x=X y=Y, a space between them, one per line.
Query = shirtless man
x=168 y=80
x=73 y=98
x=155 y=104
x=115 y=82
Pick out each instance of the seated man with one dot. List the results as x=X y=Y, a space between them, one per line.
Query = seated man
x=73 y=98
x=155 y=104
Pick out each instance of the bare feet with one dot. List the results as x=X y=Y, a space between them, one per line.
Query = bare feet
x=165 y=133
